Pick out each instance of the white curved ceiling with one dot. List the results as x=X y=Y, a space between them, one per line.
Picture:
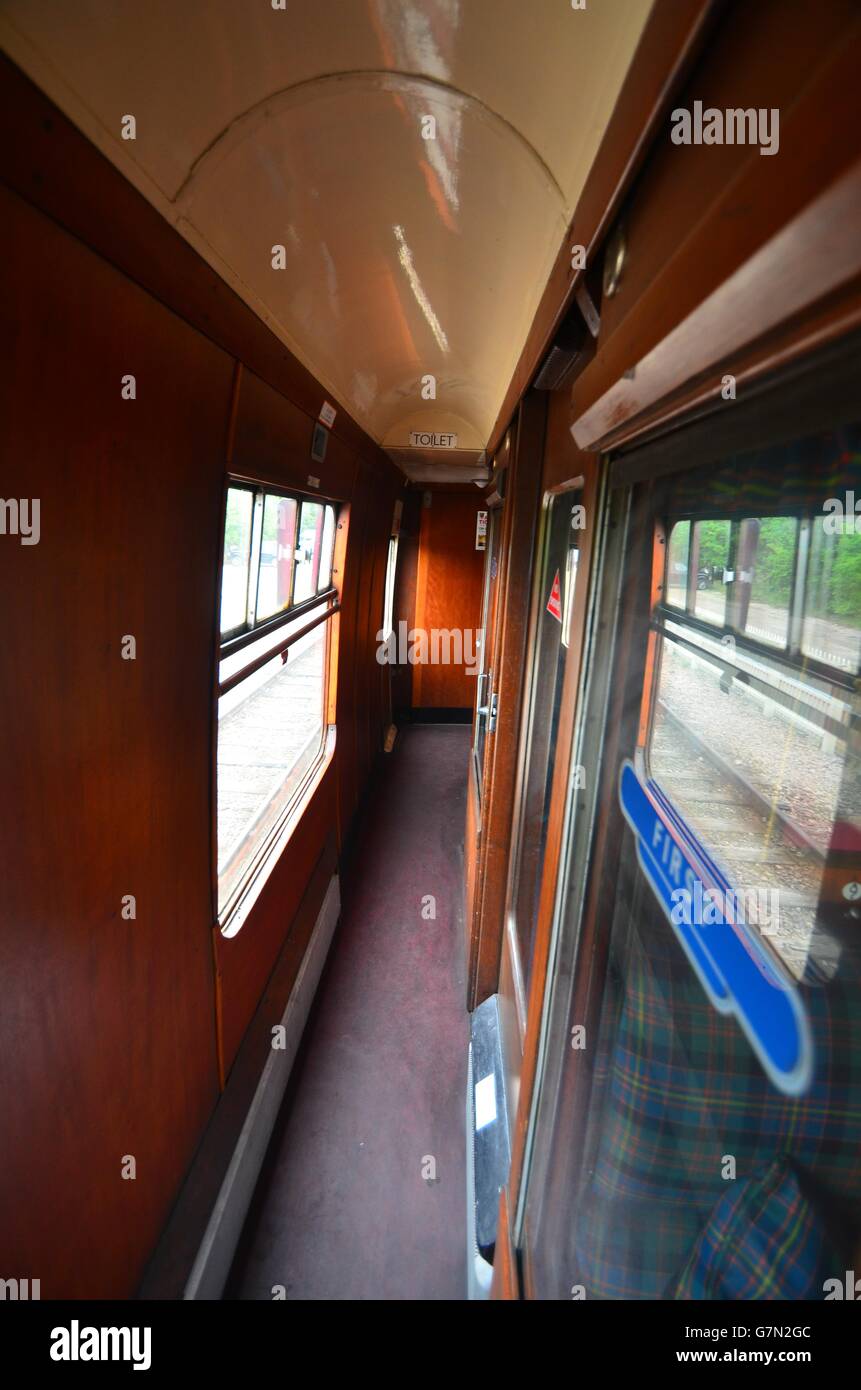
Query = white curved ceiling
x=405 y=257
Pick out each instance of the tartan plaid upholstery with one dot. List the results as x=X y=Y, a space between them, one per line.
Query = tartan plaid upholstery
x=763 y=1240
x=677 y=1088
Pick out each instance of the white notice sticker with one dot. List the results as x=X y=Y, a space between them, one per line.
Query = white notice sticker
x=485 y=1101
x=327 y=414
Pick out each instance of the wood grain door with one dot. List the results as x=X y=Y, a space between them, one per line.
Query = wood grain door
x=483 y=729
x=512 y=529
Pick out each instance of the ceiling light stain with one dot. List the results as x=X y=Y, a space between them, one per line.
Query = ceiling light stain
x=406 y=259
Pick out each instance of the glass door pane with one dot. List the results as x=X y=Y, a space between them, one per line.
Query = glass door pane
x=237 y=554
x=697 y=1132
x=557 y=579
x=276 y=555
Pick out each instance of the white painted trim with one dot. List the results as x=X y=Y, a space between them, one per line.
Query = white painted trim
x=212 y=1265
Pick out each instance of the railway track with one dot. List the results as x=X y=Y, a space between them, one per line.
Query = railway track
x=794 y=833
x=759 y=846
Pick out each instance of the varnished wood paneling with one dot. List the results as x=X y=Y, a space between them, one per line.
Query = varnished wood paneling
x=245 y=961
x=448 y=592
x=106 y=1025
x=109 y=1026
x=168 y=1271
x=515 y=587
x=272 y=444
x=50 y=163
x=759 y=238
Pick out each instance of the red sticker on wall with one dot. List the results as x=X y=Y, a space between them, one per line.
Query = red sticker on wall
x=554 y=603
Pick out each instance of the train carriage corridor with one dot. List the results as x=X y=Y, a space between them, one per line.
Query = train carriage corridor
x=363 y=1195
x=430 y=679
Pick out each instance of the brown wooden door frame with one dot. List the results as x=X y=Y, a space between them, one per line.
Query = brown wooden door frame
x=515 y=970
x=508 y=647
x=555 y=843
x=478 y=782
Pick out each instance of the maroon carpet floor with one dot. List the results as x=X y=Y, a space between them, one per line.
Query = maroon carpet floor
x=342 y=1209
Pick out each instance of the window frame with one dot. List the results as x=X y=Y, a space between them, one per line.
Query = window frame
x=322 y=607
x=790 y=658
x=791 y=654
x=389 y=587
x=249 y=631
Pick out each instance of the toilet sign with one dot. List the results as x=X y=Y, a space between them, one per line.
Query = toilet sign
x=432 y=439
x=481 y=530
x=554 y=603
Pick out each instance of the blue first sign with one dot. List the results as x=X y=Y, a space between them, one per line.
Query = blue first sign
x=737 y=971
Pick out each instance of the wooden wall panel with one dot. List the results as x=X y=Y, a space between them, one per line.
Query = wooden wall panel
x=273 y=444
x=106 y=1025
x=692 y=305
x=448 y=592
x=738 y=71
x=246 y=961
x=48 y=161
x=167 y=1272
x=109 y=1027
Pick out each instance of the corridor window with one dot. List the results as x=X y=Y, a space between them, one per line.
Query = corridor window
x=710 y=562
x=831 y=633
x=275 y=573
x=277 y=601
x=389 y=596
x=748 y=738
x=677 y=565
x=237 y=558
x=309 y=550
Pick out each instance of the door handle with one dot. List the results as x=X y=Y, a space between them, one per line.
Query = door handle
x=481 y=709
x=489 y=712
